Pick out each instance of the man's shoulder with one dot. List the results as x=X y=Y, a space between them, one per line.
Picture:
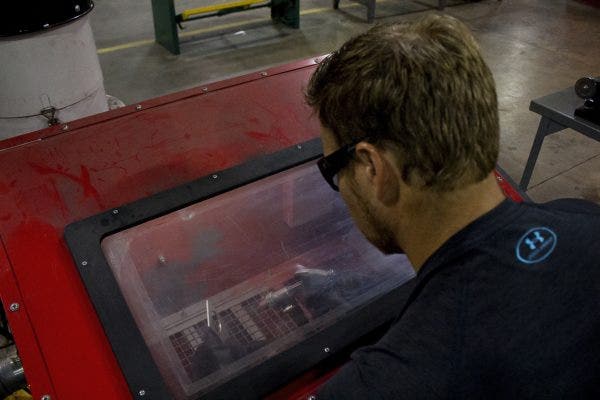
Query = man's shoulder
x=565 y=220
x=561 y=231
x=570 y=206
x=569 y=216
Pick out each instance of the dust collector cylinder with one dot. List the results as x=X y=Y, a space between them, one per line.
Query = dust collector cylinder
x=49 y=68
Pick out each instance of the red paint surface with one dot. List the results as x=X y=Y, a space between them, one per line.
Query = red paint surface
x=506 y=187
x=53 y=177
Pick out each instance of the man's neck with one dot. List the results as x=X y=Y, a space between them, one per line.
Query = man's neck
x=428 y=220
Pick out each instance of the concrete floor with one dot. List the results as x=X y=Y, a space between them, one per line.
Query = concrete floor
x=534 y=48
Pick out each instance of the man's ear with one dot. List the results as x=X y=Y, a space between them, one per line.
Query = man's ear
x=379 y=172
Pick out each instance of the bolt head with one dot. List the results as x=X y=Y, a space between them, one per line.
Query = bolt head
x=215 y=176
x=14 y=307
x=326 y=349
x=115 y=211
x=205 y=89
x=84 y=263
x=299 y=147
x=142 y=392
x=65 y=127
x=77 y=8
x=46 y=397
x=138 y=107
x=311 y=397
x=264 y=73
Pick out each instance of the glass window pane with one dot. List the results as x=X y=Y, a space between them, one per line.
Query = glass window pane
x=222 y=285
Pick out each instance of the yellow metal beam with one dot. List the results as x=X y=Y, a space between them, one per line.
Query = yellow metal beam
x=146 y=42
x=186 y=14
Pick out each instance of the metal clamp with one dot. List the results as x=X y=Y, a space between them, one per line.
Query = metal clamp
x=50 y=114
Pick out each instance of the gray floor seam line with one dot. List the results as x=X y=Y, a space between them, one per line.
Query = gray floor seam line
x=563 y=172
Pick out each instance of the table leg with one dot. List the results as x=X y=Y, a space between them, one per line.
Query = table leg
x=370 y=10
x=545 y=128
x=165 y=26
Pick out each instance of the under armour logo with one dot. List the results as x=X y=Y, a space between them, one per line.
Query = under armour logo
x=537 y=238
x=535 y=245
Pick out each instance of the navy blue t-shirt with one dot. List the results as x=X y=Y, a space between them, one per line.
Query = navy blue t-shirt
x=508 y=307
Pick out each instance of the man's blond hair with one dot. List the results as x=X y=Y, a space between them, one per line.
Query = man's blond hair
x=421 y=88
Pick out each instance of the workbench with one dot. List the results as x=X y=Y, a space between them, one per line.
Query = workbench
x=557 y=113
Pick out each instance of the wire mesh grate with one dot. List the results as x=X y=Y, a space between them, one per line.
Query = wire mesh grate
x=244 y=325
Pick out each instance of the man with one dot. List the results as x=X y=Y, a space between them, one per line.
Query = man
x=506 y=301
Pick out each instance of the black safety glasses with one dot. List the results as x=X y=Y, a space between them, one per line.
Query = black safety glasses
x=331 y=165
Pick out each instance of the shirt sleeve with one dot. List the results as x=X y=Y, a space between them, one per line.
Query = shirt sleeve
x=416 y=358
x=574 y=205
x=351 y=382
x=377 y=373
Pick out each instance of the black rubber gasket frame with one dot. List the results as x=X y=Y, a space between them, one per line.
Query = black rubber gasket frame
x=141 y=373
